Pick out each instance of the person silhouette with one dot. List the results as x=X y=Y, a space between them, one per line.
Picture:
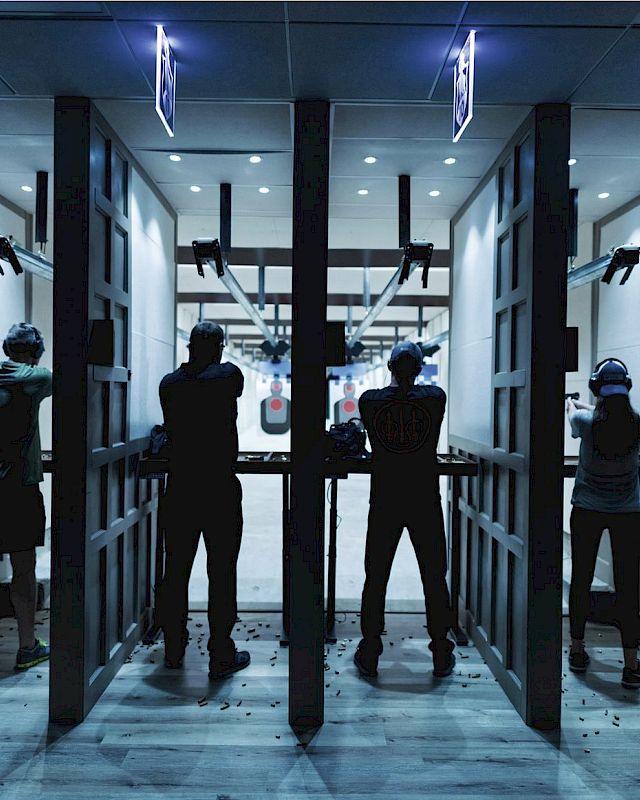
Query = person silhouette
x=403 y=422
x=606 y=494
x=23 y=386
x=199 y=403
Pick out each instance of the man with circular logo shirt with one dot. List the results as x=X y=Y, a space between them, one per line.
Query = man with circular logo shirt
x=403 y=422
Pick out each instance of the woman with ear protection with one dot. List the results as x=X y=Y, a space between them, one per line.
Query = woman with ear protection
x=606 y=495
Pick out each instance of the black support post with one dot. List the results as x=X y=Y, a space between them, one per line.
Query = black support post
x=404 y=210
x=308 y=387
x=72 y=121
x=225 y=217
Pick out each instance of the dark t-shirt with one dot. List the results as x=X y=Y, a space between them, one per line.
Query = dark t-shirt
x=403 y=433
x=200 y=412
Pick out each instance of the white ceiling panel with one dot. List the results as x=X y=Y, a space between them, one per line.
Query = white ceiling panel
x=256 y=127
x=551 y=13
x=426 y=121
x=275 y=168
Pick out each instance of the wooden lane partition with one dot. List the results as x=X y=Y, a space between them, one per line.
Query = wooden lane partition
x=279 y=463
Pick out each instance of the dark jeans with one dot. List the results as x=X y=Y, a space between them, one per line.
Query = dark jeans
x=624 y=531
x=215 y=509
x=424 y=521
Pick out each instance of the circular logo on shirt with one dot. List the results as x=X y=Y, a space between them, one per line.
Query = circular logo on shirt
x=402 y=426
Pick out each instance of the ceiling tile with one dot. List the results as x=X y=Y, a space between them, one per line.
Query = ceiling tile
x=218 y=59
x=529 y=65
x=551 y=13
x=394 y=13
x=614 y=82
x=366 y=62
x=605 y=132
x=77 y=57
x=218 y=126
x=428 y=121
x=21 y=116
x=221 y=12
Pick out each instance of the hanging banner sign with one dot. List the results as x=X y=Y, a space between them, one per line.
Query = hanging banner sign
x=165 y=81
x=463 y=87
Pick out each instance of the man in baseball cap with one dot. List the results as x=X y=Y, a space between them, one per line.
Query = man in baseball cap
x=403 y=422
x=199 y=402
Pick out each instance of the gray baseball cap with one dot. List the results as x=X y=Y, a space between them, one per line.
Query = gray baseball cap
x=406 y=349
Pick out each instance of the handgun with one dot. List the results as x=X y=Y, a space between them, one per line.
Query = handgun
x=572 y=396
x=8 y=253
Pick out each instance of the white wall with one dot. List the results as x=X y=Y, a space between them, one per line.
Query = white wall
x=277 y=231
x=153 y=298
x=470 y=343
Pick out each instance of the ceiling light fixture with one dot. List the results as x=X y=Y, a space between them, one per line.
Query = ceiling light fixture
x=450 y=160
x=370 y=160
x=255 y=159
x=195 y=188
x=27 y=188
x=604 y=195
x=264 y=190
x=571 y=161
x=363 y=191
x=175 y=157
x=434 y=193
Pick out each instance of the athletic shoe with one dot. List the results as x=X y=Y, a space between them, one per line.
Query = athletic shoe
x=30 y=656
x=241 y=660
x=367 y=665
x=631 y=678
x=578 y=662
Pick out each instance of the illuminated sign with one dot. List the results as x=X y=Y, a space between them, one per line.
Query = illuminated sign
x=165 y=81
x=463 y=87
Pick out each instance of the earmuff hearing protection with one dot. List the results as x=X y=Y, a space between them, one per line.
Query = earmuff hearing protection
x=36 y=348
x=597 y=380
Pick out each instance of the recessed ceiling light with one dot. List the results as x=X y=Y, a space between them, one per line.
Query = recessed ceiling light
x=450 y=160
x=434 y=193
x=604 y=195
x=195 y=188
x=27 y=188
x=370 y=160
x=255 y=159
x=571 y=161
x=175 y=157
x=363 y=191
x=264 y=190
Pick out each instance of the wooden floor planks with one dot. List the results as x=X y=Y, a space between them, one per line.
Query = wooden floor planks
x=404 y=735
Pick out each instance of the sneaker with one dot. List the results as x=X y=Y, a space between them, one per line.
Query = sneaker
x=443 y=658
x=631 y=677
x=578 y=662
x=367 y=665
x=30 y=656
x=241 y=660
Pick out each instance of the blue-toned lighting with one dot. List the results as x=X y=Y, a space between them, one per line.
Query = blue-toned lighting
x=264 y=190
x=175 y=157
x=27 y=188
x=363 y=191
x=255 y=159
x=195 y=188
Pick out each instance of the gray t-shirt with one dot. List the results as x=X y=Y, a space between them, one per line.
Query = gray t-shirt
x=609 y=485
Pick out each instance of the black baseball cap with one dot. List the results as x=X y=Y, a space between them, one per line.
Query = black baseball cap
x=613 y=377
x=406 y=349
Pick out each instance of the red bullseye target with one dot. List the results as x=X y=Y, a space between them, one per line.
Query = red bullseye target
x=276 y=404
x=349 y=406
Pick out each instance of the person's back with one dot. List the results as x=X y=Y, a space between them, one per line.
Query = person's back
x=403 y=422
x=23 y=385
x=200 y=410
x=22 y=389
x=403 y=429
x=199 y=403
x=603 y=483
